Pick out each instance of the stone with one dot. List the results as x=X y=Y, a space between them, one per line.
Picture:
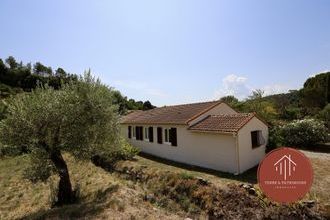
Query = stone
x=309 y=203
x=252 y=191
x=202 y=182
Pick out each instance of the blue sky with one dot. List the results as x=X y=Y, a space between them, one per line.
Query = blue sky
x=176 y=51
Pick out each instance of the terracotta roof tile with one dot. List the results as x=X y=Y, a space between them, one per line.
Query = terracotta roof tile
x=176 y=114
x=223 y=123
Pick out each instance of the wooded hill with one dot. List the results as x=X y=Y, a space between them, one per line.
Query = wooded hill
x=17 y=77
x=310 y=101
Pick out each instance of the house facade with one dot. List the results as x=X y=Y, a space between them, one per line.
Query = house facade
x=208 y=134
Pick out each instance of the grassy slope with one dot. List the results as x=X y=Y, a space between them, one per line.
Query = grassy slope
x=103 y=196
x=319 y=191
x=106 y=196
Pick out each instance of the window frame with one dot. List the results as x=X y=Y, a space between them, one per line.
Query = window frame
x=146 y=133
x=167 y=134
x=258 y=141
x=134 y=132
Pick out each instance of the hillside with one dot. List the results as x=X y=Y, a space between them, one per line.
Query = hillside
x=102 y=195
x=141 y=189
x=17 y=77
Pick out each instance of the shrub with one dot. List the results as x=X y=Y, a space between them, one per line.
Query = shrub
x=275 y=139
x=12 y=151
x=127 y=151
x=3 y=109
x=324 y=115
x=303 y=133
x=292 y=113
x=186 y=175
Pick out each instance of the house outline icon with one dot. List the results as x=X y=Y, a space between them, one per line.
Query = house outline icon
x=285 y=166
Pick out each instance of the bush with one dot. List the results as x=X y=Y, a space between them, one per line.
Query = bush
x=303 y=133
x=126 y=152
x=275 y=139
x=3 y=109
x=12 y=151
x=324 y=115
x=292 y=113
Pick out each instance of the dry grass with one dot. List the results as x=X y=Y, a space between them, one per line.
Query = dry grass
x=18 y=196
x=177 y=189
x=320 y=188
x=319 y=191
x=107 y=196
x=216 y=177
x=103 y=196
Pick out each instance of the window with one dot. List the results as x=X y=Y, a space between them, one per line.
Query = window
x=139 y=133
x=151 y=134
x=173 y=137
x=257 y=139
x=159 y=135
x=129 y=131
x=146 y=133
x=134 y=132
x=167 y=135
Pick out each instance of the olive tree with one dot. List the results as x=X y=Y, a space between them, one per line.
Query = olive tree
x=78 y=119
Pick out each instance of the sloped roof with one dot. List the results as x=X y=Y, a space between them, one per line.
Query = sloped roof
x=222 y=123
x=175 y=114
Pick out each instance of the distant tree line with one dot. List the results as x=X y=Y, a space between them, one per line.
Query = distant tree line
x=310 y=101
x=125 y=105
x=298 y=118
x=16 y=77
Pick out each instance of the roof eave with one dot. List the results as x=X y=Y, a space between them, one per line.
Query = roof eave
x=254 y=116
x=213 y=131
x=153 y=123
x=202 y=112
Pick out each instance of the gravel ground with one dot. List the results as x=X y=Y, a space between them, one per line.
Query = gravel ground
x=319 y=155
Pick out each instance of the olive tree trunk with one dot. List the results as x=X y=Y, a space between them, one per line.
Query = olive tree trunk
x=65 y=194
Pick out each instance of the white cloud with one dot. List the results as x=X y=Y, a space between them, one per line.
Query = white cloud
x=238 y=86
x=139 y=86
x=233 y=85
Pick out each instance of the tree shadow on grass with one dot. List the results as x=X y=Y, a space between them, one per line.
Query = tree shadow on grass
x=76 y=211
x=249 y=176
x=73 y=211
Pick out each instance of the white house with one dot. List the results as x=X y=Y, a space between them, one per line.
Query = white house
x=208 y=134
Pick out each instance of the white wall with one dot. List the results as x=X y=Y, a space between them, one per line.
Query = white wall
x=222 y=108
x=209 y=150
x=249 y=157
